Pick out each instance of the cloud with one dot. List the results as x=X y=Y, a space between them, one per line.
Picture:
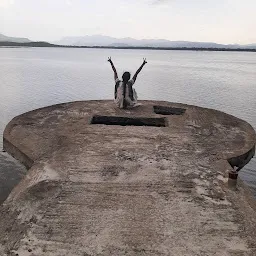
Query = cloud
x=6 y=3
x=160 y=1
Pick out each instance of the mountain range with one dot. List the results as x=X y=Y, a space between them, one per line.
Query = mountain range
x=4 y=38
x=100 y=40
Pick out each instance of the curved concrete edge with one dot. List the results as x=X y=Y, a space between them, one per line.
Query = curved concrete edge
x=242 y=160
x=16 y=153
x=39 y=181
x=238 y=159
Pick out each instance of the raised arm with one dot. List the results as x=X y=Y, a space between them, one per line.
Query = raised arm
x=140 y=68
x=113 y=67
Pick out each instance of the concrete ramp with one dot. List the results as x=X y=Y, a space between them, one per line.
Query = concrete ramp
x=145 y=181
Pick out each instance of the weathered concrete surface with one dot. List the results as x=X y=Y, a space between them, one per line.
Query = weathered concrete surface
x=127 y=190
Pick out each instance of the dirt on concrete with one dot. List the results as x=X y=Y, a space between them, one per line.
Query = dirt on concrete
x=109 y=189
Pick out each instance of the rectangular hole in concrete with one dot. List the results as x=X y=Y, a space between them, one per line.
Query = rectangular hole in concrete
x=129 y=121
x=162 y=110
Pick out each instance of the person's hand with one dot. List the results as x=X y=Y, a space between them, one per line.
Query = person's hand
x=109 y=59
x=144 y=61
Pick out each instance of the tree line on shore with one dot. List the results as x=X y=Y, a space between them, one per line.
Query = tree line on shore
x=45 y=44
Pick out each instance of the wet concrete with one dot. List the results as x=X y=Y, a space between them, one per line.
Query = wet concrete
x=95 y=189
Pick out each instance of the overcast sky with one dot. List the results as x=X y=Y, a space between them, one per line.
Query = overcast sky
x=221 y=21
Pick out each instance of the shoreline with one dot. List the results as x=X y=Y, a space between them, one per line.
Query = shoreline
x=45 y=44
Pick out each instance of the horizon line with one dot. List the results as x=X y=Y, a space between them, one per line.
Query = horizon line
x=128 y=37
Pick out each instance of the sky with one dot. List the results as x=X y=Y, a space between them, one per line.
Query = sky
x=220 y=21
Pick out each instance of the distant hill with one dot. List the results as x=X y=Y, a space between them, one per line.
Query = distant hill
x=45 y=44
x=100 y=40
x=28 y=44
x=251 y=46
x=4 y=38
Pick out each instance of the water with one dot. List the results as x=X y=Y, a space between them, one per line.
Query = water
x=35 y=77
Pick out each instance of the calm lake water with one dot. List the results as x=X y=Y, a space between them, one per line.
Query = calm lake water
x=35 y=77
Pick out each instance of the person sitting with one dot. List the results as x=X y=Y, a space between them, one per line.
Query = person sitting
x=125 y=94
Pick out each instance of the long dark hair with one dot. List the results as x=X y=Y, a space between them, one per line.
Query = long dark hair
x=126 y=77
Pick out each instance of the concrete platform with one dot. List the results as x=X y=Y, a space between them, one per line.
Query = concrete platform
x=96 y=189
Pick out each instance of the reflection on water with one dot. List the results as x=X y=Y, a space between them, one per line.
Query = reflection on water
x=37 y=77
